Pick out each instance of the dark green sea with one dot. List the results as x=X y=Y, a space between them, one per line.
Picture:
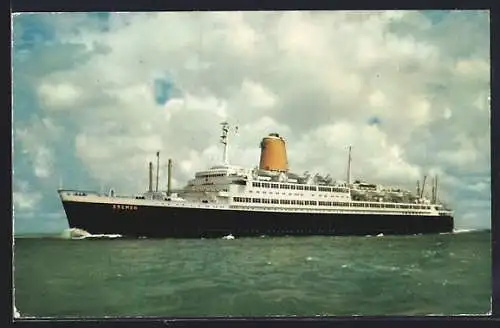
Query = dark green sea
x=304 y=276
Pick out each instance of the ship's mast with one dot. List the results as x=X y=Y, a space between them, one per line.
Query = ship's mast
x=157 y=169
x=433 y=190
x=150 y=186
x=349 y=168
x=169 y=181
x=423 y=187
x=436 y=191
x=224 y=141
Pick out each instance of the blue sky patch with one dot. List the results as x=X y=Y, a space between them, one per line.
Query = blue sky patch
x=374 y=120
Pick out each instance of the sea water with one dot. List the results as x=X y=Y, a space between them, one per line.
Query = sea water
x=287 y=276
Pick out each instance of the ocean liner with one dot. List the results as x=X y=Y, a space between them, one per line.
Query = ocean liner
x=266 y=200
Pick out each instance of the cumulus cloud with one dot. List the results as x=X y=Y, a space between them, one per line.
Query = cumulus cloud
x=24 y=198
x=36 y=140
x=58 y=96
x=402 y=90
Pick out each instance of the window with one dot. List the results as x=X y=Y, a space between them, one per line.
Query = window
x=300 y=187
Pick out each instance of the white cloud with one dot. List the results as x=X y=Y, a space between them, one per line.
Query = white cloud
x=480 y=186
x=35 y=141
x=375 y=157
x=25 y=199
x=472 y=68
x=257 y=95
x=43 y=162
x=316 y=78
x=58 y=96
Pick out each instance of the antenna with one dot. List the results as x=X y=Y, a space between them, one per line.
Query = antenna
x=224 y=141
x=349 y=167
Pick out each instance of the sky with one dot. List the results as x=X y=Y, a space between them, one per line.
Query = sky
x=95 y=95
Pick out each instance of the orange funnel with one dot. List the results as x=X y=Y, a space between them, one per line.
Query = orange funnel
x=273 y=154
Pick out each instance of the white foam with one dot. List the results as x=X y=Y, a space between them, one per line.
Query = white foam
x=103 y=236
x=380 y=235
x=228 y=237
x=463 y=230
x=76 y=234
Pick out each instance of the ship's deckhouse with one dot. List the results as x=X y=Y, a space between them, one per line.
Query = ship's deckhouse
x=272 y=186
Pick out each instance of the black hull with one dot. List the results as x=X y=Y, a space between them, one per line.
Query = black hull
x=159 y=222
